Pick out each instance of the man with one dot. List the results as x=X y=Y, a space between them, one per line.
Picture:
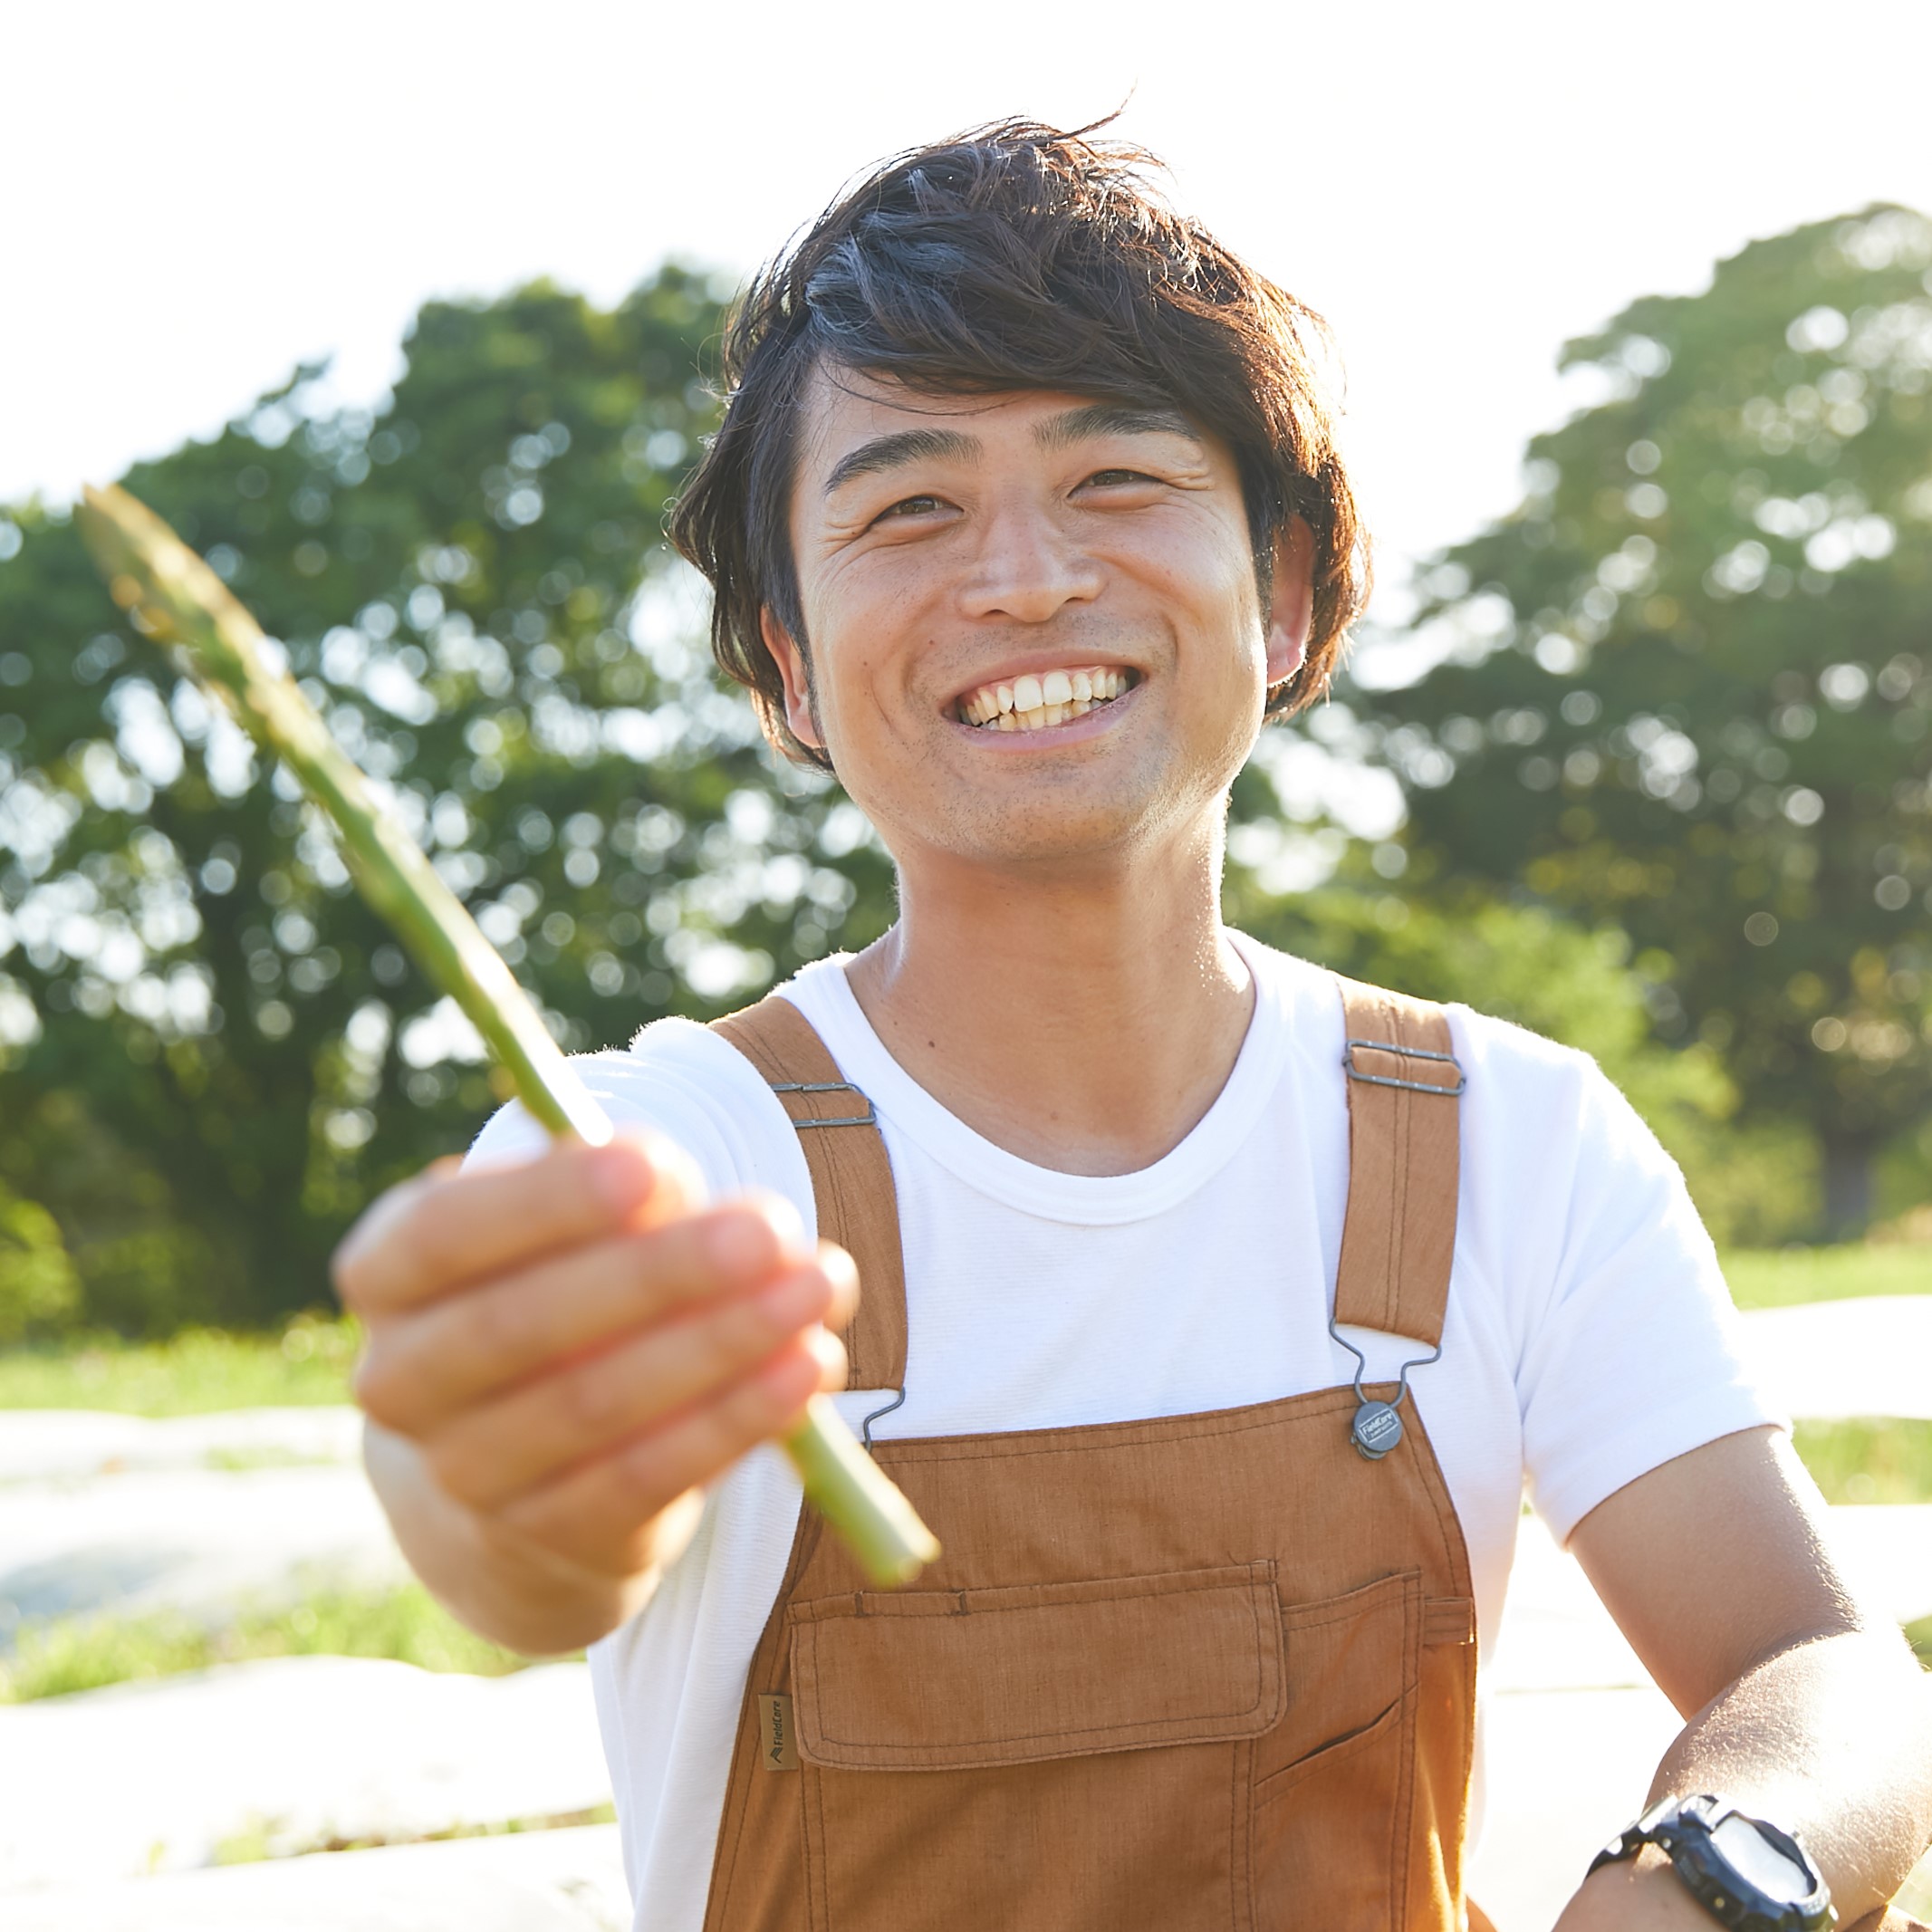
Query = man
x=1025 y=512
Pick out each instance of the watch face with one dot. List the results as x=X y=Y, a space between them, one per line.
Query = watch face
x=1752 y=1858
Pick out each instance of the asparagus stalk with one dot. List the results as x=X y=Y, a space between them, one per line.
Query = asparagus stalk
x=173 y=597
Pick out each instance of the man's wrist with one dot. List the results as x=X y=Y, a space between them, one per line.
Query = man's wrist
x=506 y=1589
x=1639 y=1894
x=1742 y=1869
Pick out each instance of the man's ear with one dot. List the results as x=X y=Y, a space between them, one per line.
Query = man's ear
x=1291 y=610
x=800 y=713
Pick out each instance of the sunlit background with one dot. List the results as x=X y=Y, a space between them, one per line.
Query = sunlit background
x=401 y=313
x=205 y=195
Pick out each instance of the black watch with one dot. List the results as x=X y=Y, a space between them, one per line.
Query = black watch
x=1744 y=1873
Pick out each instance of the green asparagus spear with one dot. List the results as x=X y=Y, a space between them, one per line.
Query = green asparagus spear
x=173 y=596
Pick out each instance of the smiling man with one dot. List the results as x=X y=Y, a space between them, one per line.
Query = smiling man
x=1216 y=1313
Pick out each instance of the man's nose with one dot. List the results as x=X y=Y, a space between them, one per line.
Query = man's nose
x=1028 y=569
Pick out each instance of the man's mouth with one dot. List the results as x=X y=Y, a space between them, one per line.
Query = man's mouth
x=1033 y=702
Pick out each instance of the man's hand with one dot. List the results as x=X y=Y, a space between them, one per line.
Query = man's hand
x=560 y=1355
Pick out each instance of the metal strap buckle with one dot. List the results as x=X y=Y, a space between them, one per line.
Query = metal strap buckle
x=865 y=1431
x=868 y=1119
x=1410 y=1052
x=1376 y=1428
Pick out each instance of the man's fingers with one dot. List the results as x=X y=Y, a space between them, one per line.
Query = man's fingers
x=602 y=1513
x=828 y=1352
x=420 y=1370
x=845 y=1287
x=494 y=1451
x=445 y=1229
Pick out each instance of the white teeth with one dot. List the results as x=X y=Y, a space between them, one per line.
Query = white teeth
x=1036 y=700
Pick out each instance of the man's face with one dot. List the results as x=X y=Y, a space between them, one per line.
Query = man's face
x=1034 y=628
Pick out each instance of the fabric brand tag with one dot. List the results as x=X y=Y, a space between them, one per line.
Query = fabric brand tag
x=777 y=1751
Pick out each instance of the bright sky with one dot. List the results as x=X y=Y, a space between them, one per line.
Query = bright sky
x=202 y=194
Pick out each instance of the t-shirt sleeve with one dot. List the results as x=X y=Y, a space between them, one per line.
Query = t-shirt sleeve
x=686 y=1082
x=1630 y=1350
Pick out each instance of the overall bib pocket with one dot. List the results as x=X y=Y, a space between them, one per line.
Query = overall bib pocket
x=1333 y=1781
x=961 y=1743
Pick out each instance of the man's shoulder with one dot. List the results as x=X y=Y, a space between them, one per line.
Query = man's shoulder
x=686 y=1082
x=678 y=1062
x=672 y=1044
x=1311 y=995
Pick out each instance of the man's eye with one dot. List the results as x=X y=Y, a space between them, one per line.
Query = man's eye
x=912 y=506
x=1117 y=477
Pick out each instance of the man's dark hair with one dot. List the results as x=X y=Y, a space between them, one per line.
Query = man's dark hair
x=1016 y=257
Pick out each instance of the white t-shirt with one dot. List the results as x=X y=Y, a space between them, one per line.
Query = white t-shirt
x=1589 y=1337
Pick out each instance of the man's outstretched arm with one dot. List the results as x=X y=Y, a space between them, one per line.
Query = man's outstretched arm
x=1800 y=1707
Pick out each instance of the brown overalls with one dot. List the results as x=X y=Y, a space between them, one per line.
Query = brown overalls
x=1201 y=1671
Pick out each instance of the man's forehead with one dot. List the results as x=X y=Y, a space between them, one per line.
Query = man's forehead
x=843 y=408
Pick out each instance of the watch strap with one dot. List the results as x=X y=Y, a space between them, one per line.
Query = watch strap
x=1682 y=1829
x=1633 y=1838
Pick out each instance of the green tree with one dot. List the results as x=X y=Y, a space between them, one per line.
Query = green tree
x=210 y=1053
x=1686 y=686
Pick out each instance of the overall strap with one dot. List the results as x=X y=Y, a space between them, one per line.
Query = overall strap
x=1403 y=1160
x=851 y=1175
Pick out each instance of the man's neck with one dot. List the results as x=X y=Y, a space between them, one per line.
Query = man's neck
x=1084 y=1024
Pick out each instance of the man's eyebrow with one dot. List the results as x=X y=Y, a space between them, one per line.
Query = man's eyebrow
x=1112 y=418
x=904 y=446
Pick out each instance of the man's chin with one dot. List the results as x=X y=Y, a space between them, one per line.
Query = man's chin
x=1062 y=834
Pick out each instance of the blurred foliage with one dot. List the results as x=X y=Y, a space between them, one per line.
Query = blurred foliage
x=1686 y=692
x=211 y=1055
x=1527 y=965
x=196 y=1371
x=39 y=1291
x=1686 y=686
x=85 y=1653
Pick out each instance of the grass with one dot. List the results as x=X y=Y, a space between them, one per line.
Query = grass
x=54 y=1660
x=1919 y=1636
x=202 y=1371
x=1915 y=1897
x=194 y=1373
x=1781 y=1277
x=309 y=1361
x=261 y=1840
x=1862 y=1461
x=1887 y=1460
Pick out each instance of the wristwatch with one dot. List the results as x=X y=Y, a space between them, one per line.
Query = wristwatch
x=1744 y=1873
